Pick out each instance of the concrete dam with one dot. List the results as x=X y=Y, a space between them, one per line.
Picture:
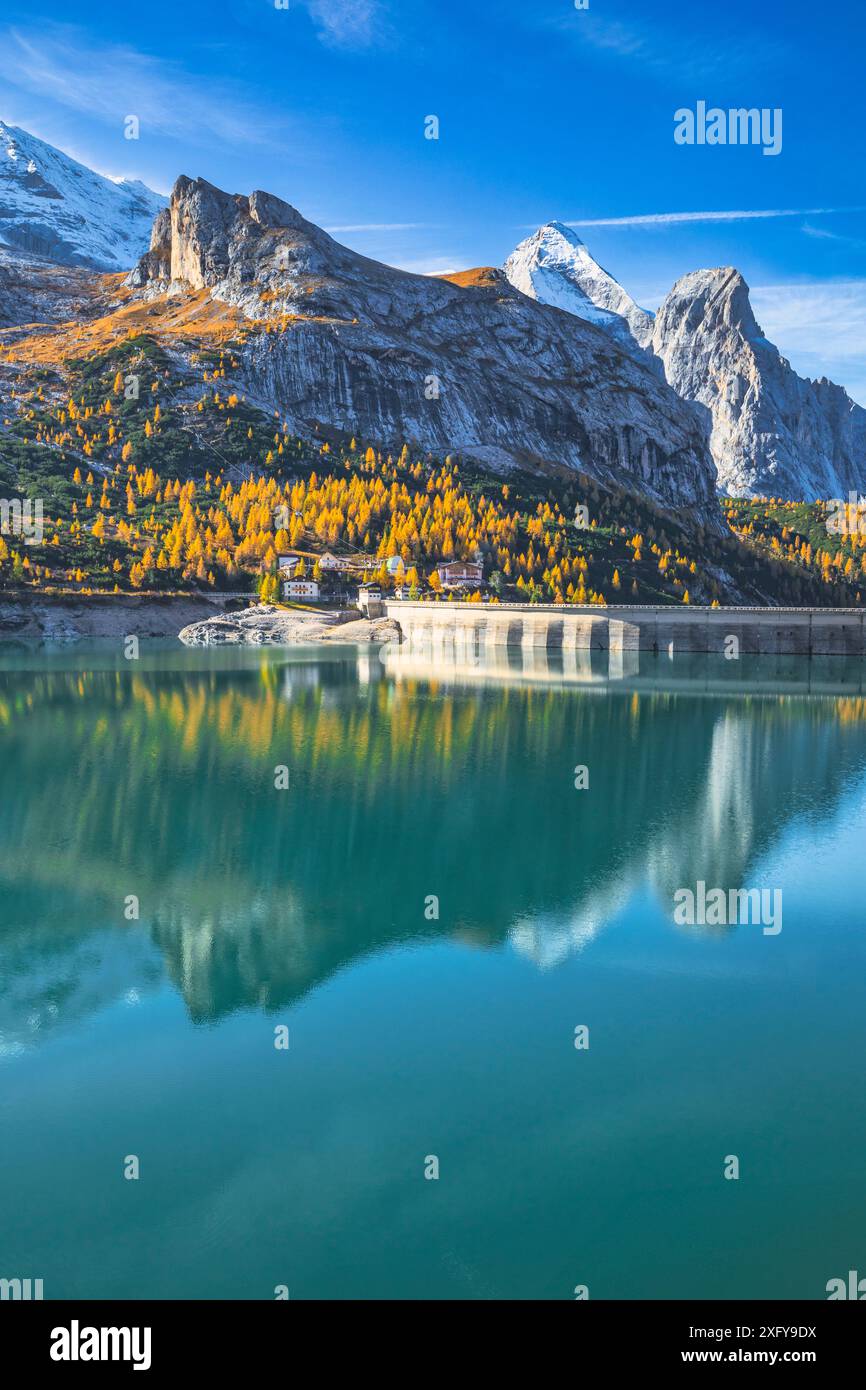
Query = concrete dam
x=729 y=632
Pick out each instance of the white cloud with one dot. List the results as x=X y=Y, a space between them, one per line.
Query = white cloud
x=820 y=328
x=347 y=23
x=653 y=219
x=121 y=81
x=431 y=265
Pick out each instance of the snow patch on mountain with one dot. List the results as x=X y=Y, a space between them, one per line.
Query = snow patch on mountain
x=555 y=267
x=772 y=431
x=55 y=208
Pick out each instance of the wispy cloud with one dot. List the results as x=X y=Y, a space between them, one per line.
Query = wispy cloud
x=670 y=50
x=378 y=227
x=654 y=219
x=823 y=234
x=613 y=36
x=348 y=23
x=430 y=265
x=123 y=81
x=821 y=328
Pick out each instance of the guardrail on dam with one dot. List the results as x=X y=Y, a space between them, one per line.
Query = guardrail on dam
x=757 y=631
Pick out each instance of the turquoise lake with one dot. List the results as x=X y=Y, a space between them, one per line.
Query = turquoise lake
x=414 y=1035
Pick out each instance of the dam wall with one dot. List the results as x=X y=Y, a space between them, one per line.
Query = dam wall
x=620 y=630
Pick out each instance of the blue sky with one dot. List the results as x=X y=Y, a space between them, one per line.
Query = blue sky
x=545 y=112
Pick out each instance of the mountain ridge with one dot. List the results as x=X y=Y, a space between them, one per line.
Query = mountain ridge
x=768 y=430
x=54 y=207
x=248 y=352
x=481 y=369
x=772 y=432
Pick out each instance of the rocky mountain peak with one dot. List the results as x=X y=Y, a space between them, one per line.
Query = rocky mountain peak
x=467 y=365
x=271 y=211
x=251 y=249
x=773 y=432
x=718 y=299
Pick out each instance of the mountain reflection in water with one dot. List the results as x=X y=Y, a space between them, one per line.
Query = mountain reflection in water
x=411 y=773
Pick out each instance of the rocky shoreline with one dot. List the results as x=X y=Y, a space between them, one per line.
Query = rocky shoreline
x=266 y=624
x=70 y=618
x=198 y=621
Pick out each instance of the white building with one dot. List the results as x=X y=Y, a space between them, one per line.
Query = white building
x=459 y=574
x=301 y=588
x=370 y=601
x=342 y=564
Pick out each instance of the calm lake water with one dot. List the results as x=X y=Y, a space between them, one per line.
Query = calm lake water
x=411 y=1036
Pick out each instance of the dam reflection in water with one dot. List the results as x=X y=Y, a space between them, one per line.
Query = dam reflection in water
x=465 y=655
x=419 y=774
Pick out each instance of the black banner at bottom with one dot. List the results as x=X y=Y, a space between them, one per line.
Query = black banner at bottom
x=152 y=1338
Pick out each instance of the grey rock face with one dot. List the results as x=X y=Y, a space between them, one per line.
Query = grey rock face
x=773 y=432
x=155 y=264
x=394 y=356
x=38 y=291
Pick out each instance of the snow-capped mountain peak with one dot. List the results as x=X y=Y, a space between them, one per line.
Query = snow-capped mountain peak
x=555 y=267
x=771 y=431
x=53 y=207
